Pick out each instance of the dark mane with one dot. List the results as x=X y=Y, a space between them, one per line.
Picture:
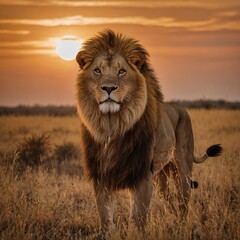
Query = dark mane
x=131 y=159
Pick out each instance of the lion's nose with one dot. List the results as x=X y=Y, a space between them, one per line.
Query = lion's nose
x=109 y=89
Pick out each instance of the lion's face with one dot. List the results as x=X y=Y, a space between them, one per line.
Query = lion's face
x=112 y=83
x=111 y=89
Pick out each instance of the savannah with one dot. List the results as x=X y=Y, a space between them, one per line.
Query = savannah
x=44 y=194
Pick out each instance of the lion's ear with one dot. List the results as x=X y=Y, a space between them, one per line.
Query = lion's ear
x=138 y=58
x=82 y=60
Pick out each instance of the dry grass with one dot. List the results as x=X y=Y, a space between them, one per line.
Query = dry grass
x=52 y=204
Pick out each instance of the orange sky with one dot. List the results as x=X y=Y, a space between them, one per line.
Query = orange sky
x=194 y=45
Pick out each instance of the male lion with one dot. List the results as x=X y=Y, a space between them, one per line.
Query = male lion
x=128 y=135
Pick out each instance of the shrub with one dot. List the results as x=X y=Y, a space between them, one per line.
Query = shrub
x=66 y=151
x=34 y=149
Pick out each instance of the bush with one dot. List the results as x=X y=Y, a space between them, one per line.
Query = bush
x=34 y=149
x=66 y=151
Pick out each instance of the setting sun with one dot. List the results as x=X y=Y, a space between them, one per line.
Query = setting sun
x=67 y=47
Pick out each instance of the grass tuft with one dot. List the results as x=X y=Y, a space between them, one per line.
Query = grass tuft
x=66 y=151
x=34 y=149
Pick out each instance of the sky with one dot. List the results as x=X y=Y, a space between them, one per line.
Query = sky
x=194 y=46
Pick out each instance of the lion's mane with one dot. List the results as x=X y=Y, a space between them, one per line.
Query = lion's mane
x=117 y=148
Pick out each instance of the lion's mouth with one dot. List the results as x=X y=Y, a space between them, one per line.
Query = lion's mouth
x=109 y=106
x=109 y=100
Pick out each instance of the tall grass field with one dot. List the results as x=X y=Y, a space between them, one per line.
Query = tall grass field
x=44 y=194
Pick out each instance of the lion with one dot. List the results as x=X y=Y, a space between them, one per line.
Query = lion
x=129 y=135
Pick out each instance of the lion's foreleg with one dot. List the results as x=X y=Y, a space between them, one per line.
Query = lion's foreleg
x=140 y=202
x=104 y=201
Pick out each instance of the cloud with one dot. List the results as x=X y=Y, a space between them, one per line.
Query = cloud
x=187 y=15
x=228 y=14
x=230 y=25
x=168 y=22
x=11 y=48
x=79 y=20
x=18 y=32
x=21 y=52
x=133 y=3
x=30 y=44
x=47 y=46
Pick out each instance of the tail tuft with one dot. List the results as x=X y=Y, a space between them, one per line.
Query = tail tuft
x=194 y=184
x=214 y=150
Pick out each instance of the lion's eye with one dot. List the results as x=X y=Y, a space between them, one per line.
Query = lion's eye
x=121 y=72
x=97 y=71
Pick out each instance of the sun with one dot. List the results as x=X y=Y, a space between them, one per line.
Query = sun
x=68 y=46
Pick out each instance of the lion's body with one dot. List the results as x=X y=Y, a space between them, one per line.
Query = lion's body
x=174 y=151
x=128 y=135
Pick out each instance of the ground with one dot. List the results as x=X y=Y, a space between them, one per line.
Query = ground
x=55 y=201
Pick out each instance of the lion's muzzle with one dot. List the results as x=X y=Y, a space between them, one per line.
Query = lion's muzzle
x=109 y=103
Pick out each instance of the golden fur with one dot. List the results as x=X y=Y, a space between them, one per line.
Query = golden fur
x=128 y=134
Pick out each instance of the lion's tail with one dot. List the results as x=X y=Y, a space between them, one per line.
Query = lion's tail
x=213 y=151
